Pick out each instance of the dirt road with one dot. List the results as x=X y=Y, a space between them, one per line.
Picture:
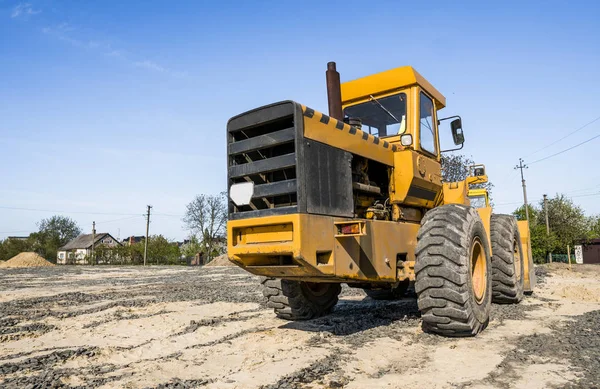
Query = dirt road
x=189 y=327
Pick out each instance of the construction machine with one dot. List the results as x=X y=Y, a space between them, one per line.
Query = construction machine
x=357 y=197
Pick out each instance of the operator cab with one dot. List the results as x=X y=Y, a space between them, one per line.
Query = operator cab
x=399 y=105
x=478 y=196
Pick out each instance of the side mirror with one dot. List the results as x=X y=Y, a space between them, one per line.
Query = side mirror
x=479 y=171
x=457 y=132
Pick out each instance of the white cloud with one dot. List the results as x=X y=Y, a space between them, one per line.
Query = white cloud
x=64 y=32
x=24 y=9
x=149 y=65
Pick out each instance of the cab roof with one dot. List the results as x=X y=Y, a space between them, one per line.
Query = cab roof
x=389 y=81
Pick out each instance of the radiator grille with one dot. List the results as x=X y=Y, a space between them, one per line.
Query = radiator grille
x=262 y=150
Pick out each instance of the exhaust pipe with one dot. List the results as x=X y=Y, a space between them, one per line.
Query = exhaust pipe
x=334 y=92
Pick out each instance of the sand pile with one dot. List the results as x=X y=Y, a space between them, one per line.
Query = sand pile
x=221 y=260
x=26 y=260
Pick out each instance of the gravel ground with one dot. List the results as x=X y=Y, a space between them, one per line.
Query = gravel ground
x=175 y=327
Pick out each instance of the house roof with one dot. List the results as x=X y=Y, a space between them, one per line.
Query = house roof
x=133 y=239
x=84 y=241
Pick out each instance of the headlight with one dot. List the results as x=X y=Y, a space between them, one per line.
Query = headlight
x=241 y=193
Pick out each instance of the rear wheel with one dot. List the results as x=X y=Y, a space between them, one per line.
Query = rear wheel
x=453 y=271
x=507 y=260
x=393 y=293
x=299 y=300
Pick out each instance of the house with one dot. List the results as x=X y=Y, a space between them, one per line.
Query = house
x=79 y=249
x=181 y=244
x=132 y=240
x=588 y=251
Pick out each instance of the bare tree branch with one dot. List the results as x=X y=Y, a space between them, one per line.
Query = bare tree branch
x=206 y=217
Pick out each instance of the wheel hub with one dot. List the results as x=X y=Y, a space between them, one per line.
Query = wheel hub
x=478 y=270
x=517 y=259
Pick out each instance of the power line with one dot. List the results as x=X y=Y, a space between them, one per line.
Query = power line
x=121 y=219
x=566 y=136
x=100 y=222
x=513 y=203
x=570 y=197
x=167 y=214
x=565 y=150
x=586 y=195
x=76 y=212
x=583 y=189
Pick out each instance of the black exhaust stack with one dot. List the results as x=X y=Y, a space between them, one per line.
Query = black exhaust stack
x=334 y=92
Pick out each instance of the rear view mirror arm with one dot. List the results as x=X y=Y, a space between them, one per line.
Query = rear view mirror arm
x=462 y=144
x=456 y=149
x=448 y=118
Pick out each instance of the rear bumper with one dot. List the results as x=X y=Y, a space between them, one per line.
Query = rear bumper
x=311 y=247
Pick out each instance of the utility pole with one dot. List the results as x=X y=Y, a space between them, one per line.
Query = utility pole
x=147 y=230
x=521 y=167
x=547 y=225
x=93 y=241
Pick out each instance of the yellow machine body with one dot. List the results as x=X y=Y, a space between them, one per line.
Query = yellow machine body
x=372 y=244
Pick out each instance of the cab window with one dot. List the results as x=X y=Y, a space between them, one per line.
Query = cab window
x=478 y=201
x=426 y=124
x=385 y=116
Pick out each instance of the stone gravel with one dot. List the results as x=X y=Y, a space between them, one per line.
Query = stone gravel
x=577 y=341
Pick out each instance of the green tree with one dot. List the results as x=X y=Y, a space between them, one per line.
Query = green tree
x=206 y=217
x=136 y=253
x=455 y=167
x=193 y=247
x=161 y=251
x=521 y=215
x=568 y=223
x=11 y=247
x=53 y=233
x=594 y=227
x=568 y=226
x=541 y=243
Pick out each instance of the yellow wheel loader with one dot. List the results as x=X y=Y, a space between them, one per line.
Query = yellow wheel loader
x=357 y=197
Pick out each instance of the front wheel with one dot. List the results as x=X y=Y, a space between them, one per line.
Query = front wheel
x=453 y=271
x=299 y=300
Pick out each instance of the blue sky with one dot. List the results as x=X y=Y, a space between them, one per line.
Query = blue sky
x=108 y=106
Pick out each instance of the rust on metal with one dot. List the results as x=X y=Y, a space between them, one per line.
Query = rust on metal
x=334 y=92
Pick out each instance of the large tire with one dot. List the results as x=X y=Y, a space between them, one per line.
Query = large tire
x=298 y=300
x=394 y=293
x=453 y=272
x=507 y=260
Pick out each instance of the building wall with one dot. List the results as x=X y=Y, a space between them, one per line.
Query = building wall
x=80 y=256
x=61 y=258
x=591 y=253
x=72 y=257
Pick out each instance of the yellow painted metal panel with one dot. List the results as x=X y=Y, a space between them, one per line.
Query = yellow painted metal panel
x=388 y=81
x=486 y=217
x=456 y=193
x=265 y=234
x=528 y=268
x=333 y=132
x=369 y=257
x=373 y=257
x=415 y=177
